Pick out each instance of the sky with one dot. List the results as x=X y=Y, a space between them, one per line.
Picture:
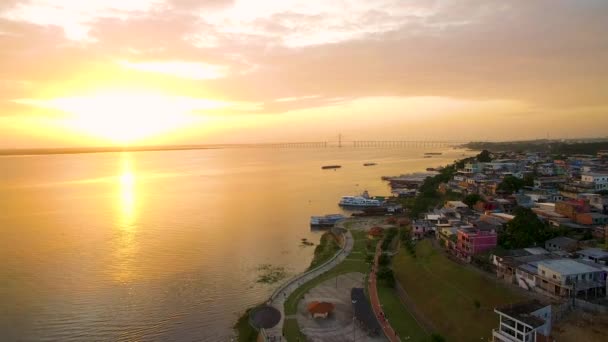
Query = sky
x=131 y=72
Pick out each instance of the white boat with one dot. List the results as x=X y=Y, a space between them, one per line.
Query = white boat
x=359 y=201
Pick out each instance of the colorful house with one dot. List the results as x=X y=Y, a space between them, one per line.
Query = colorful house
x=473 y=241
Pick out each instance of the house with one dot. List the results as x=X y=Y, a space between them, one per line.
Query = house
x=420 y=228
x=523 y=322
x=562 y=244
x=595 y=219
x=473 y=241
x=596 y=255
x=567 y=277
x=571 y=208
x=455 y=204
x=599 y=180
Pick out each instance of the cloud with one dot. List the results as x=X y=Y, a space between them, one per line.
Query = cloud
x=550 y=54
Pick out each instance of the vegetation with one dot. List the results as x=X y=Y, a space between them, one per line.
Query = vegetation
x=445 y=291
x=471 y=199
x=525 y=230
x=546 y=146
x=401 y=319
x=510 y=184
x=327 y=247
x=244 y=330
x=270 y=274
x=389 y=236
x=484 y=157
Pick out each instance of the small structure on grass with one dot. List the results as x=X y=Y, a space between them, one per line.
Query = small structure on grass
x=320 y=309
x=375 y=232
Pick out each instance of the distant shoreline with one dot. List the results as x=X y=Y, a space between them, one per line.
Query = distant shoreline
x=82 y=150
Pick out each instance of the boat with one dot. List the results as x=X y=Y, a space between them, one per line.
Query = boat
x=326 y=221
x=328 y=167
x=431 y=169
x=369 y=164
x=363 y=201
x=433 y=154
x=428 y=156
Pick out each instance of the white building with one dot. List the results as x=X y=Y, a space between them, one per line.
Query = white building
x=524 y=322
x=600 y=180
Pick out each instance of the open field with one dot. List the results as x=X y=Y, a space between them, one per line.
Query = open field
x=581 y=326
x=446 y=293
x=401 y=320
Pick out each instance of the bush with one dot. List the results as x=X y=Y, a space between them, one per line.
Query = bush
x=384 y=260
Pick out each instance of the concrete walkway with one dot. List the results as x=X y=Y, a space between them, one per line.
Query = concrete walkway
x=389 y=332
x=278 y=298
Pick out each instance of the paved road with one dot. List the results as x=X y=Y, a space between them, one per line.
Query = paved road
x=276 y=333
x=375 y=301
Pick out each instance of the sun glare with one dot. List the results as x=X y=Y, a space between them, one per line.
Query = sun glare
x=128 y=116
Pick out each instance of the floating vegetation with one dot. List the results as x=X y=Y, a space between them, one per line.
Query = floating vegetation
x=269 y=274
x=305 y=242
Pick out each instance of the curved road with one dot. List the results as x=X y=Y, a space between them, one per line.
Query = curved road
x=278 y=300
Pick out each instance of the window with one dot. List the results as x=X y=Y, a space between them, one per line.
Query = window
x=554 y=276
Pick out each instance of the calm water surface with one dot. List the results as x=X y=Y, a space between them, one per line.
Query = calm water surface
x=164 y=246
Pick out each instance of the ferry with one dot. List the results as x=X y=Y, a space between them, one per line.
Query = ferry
x=326 y=221
x=363 y=201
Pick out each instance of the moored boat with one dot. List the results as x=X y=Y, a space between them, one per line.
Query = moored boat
x=326 y=221
x=363 y=201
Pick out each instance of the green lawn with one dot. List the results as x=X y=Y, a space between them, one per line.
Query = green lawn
x=327 y=247
x=400 y=318
x=246 y=333
x=354 y=263
x=445 y=292
x=292 y=330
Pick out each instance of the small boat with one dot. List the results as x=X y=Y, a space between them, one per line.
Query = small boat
x=326 y=221
x=433 y=154
x=329 y=167
x=428 y=156
x=369 y=164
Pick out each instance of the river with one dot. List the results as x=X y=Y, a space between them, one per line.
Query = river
x=165 y=245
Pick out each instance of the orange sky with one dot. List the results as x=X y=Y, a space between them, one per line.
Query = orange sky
x=99 y=72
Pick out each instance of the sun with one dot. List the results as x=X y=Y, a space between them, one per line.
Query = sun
x=128 y=116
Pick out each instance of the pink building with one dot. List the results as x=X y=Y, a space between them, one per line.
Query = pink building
x=472 y=241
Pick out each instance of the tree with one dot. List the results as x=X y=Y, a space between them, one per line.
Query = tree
x=525 y=230
x=510 y=184
x=384 y=260
x=471 y=200
x=387 y=275
x=484 y=157
x=437 y=338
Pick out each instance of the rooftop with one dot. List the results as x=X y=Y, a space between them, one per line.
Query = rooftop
x=597 y=253
x=567 y=266
x=523 y=312
x=561 y=241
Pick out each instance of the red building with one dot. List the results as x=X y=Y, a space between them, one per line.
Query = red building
x=472 y=241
